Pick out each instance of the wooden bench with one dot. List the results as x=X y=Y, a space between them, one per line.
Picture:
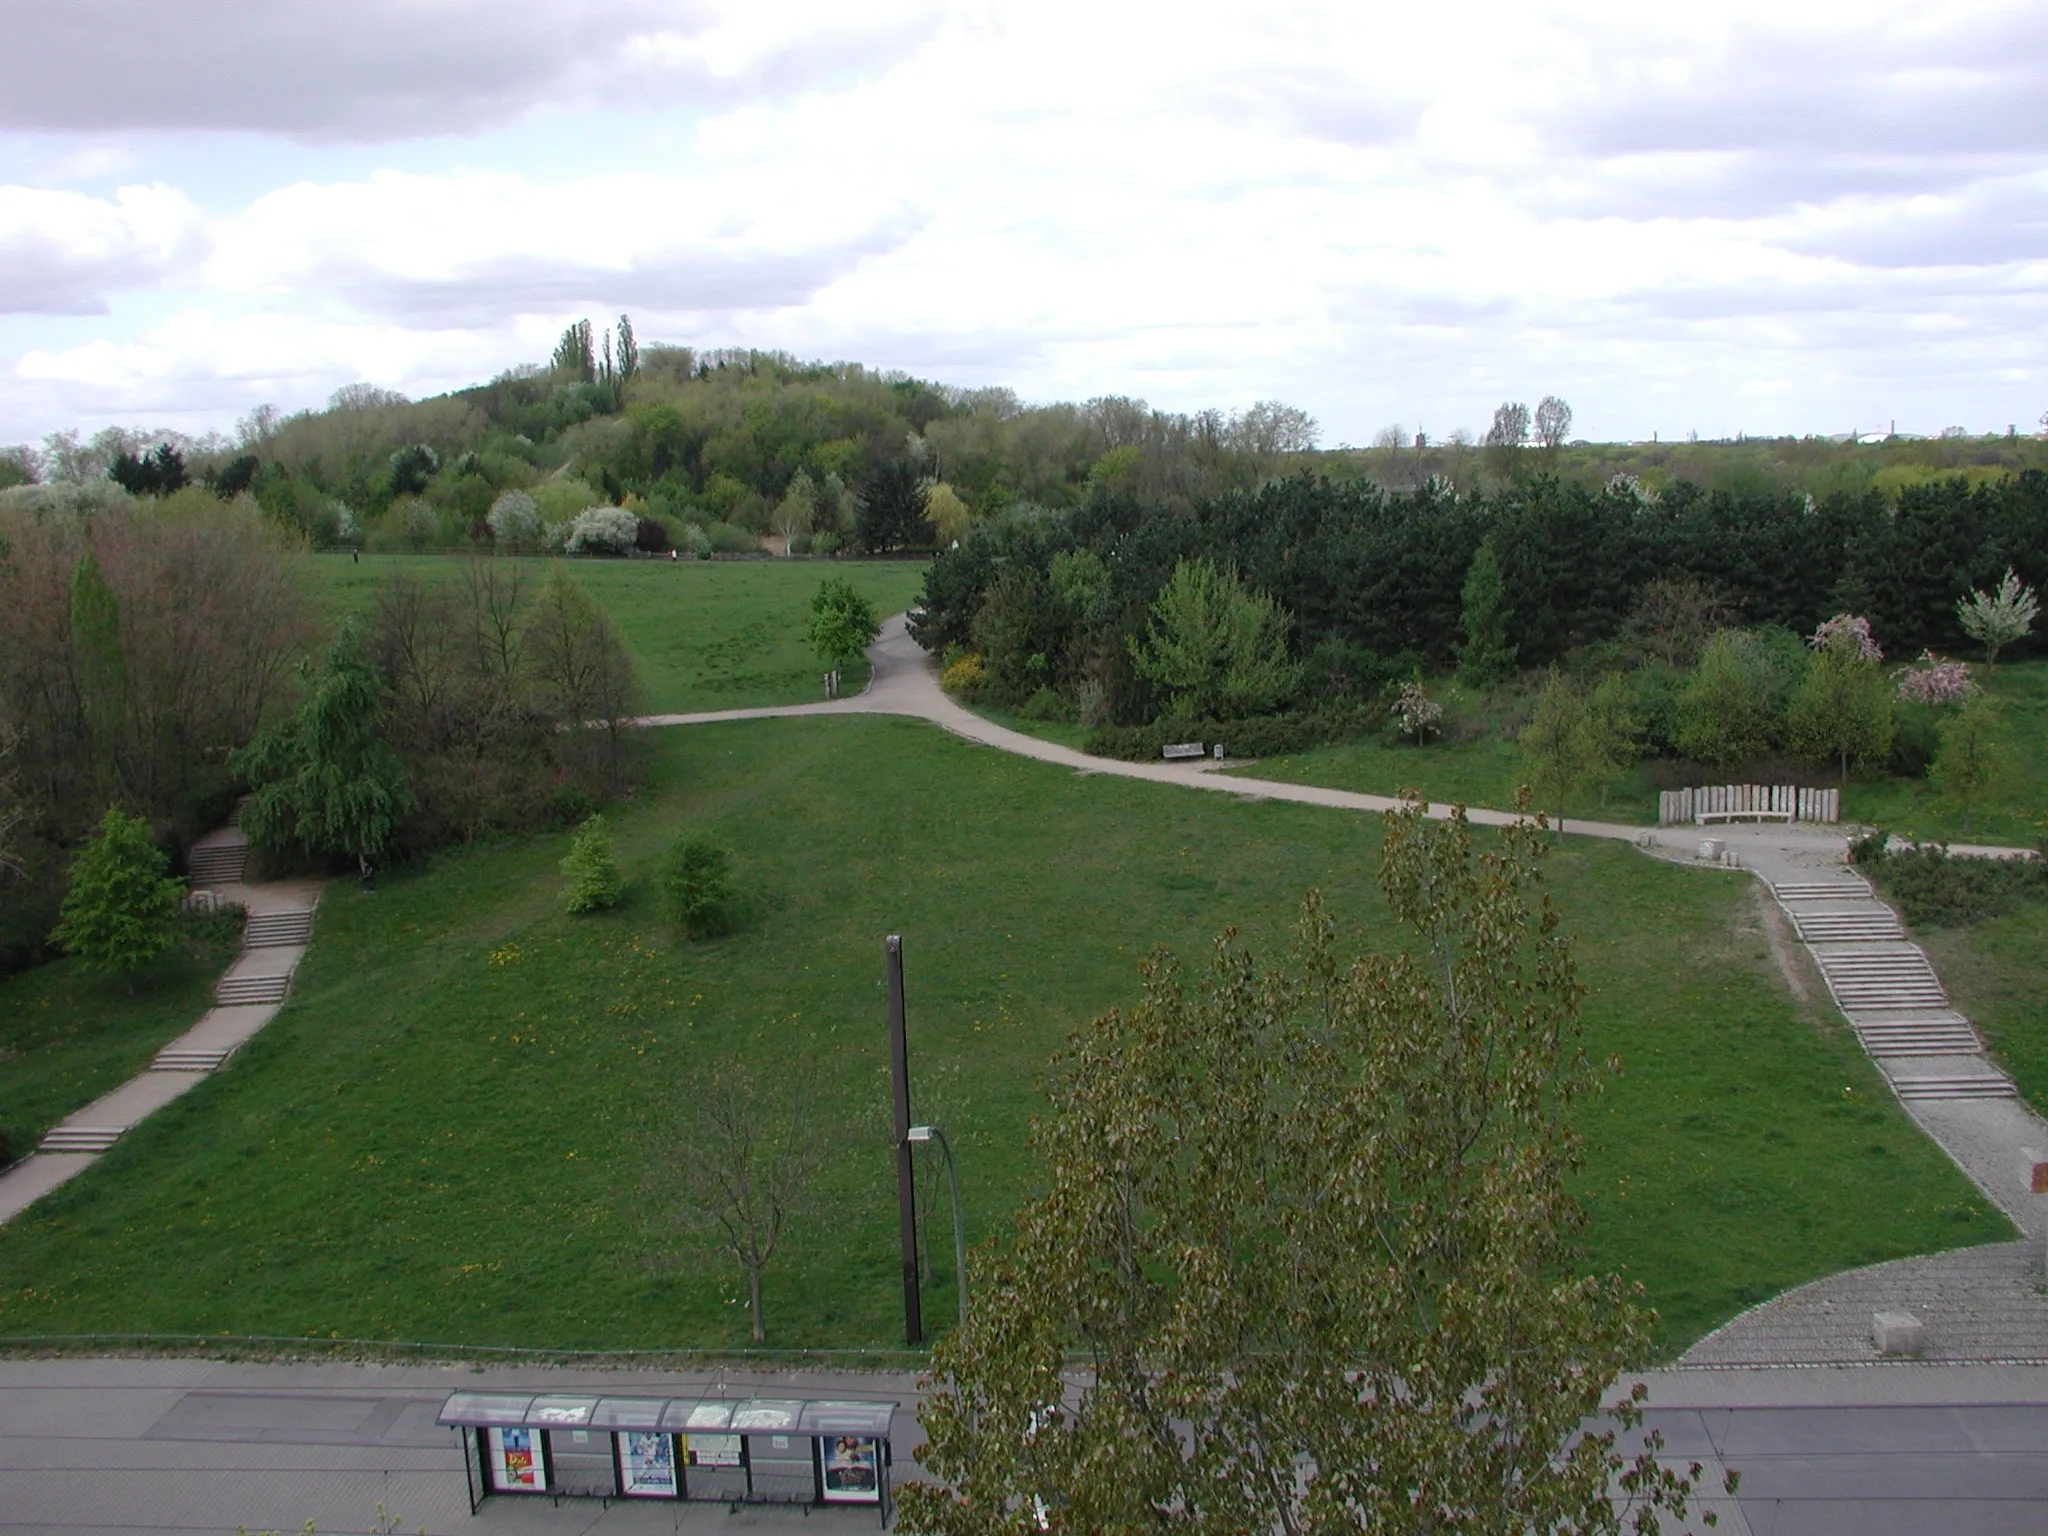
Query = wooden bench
x=1703 y=817
x=1183 y=749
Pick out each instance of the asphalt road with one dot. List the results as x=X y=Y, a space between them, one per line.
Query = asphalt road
x=162 y=1446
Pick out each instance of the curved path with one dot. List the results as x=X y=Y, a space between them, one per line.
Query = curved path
x=1982 y=1303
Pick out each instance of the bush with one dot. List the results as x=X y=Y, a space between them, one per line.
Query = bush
x=696 y=543
x=728 y=540
x=1046 y=704
x=964 y=677
x=592 y=868
x=514 y=520
x=1258 y=736
x=651 y=538
x=697 y=888
x=823 y=543
x=1935 y=890
x=121 y=910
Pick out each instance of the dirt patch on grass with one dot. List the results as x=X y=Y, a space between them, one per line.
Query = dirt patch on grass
x=1795 y=967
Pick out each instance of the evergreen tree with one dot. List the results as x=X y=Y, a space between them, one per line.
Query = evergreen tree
x=1218 y=647
x=592 y=869
x=121 y=910
x=1485 y=659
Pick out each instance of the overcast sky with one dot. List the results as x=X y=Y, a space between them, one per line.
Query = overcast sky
x=1757 y=216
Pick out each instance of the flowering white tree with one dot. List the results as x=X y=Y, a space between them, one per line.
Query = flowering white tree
x=514 y=519
x=1420 y=714
x=602 y=531
x=1996 y=619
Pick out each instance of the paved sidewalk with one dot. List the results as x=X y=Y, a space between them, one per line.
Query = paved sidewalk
x=247 y=997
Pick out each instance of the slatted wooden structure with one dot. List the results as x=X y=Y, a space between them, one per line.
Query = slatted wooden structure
x=1761 y=802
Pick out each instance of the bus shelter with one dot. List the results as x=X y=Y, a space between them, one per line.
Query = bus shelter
x=732 y=1450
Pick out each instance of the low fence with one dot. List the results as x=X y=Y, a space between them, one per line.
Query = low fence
x=1723 y=802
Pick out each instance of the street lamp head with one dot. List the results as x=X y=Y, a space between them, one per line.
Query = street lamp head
x=919 y=1133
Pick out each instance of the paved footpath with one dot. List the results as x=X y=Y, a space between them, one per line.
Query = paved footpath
x=152 y=1447
x=276 y=929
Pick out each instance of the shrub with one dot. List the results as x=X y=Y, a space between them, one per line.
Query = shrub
x=1046 y=704
x=824 y=543
x=964 y=677
x=121 y=910
x=729 y=540
x=592 y=868
x=602 y=531
x=651 y=538
x=697 y=888
x=1258 y=736
x=696 y=543
x=1936 y=890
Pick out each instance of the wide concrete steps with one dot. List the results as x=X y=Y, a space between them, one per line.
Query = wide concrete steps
x=234 y=991
x=1988 y=1084
x=218 y=863
x=1870 y=924
x=1791 y=893
x=1928 y=1033
x=80 y=1138
x=186 y=1058
x=265 y=930
x=1881 y=979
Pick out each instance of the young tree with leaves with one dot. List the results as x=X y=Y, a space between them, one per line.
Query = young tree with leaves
x=324 y=781
x=1973 y=766
x=591 y=867
x=1725 y=715
x=1485 y=659
x=842 y=623
x=1310 y=1231
x=121 y=910
x=1217 y=647
x=1842 y=712
x=697 y=888
x=1998 y=619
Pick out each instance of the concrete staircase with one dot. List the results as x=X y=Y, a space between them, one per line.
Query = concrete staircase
x=240 y=991
x=266 y=930
x=191 y=1058
x=80 y=1138
x=221 y=862
x=1889 y=993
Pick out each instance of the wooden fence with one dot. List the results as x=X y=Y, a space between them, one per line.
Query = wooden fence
x=1727 y=802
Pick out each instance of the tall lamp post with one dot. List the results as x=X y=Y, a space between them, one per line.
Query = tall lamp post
x=924 y=1133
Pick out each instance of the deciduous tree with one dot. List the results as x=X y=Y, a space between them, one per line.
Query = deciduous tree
x=1724 y=714
x=1842 y=712
x=1485 y=659
x=1310 y=1231
x=1997 y=619
x=121 y=909
x=1973 y=766
x=842 y=622
x=324 y=781
x=591 y=867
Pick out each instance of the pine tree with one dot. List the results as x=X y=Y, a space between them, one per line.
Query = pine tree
x=1485 y=659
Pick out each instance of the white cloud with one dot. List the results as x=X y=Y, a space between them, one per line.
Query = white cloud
x=1727 y=216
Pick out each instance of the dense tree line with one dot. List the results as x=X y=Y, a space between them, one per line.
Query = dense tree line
x=1374 y=583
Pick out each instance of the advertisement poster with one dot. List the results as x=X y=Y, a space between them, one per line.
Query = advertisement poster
x=712 y=1450
x=853 y=1470
x=516 y=1461
x=647 y=1465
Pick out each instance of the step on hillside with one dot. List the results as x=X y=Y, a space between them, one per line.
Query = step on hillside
x=218 y=863
x=1935 y=1034
x=1870 y=924
x=1899 y=978
x=190 y=1059
x=1790 y=892
x=80 y=1138
x=1985 y=1085
x=234 y=991
x=268 y=929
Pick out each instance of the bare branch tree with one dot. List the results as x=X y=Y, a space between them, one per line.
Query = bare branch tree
x=1553 y=422
x=745 y=1167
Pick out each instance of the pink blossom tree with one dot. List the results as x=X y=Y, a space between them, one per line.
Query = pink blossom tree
x=1935 y=681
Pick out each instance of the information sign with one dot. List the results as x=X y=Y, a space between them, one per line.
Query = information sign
x=853 y=1469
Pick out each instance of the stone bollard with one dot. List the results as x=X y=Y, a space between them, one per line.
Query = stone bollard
x=2034 y=1174
x=1730 y=859
x=1897 y=1334
x=1646 y=839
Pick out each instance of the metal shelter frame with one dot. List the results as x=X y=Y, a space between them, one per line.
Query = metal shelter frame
x=733 y=1450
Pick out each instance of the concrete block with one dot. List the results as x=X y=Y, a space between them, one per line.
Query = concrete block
x=2034 y=1169
x=1730 y=859
x=1897 y=1333
x=1710 y=849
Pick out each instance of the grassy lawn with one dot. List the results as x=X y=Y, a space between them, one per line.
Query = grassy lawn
x=1906 y=806
x=1996 y=972
x=454 y=1132
x=706 y=634
x=67 y=1037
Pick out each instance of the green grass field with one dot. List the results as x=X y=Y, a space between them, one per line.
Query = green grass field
x=455 y=1132
x=66 y=1037
x=1996 y=972
x=704 y=634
